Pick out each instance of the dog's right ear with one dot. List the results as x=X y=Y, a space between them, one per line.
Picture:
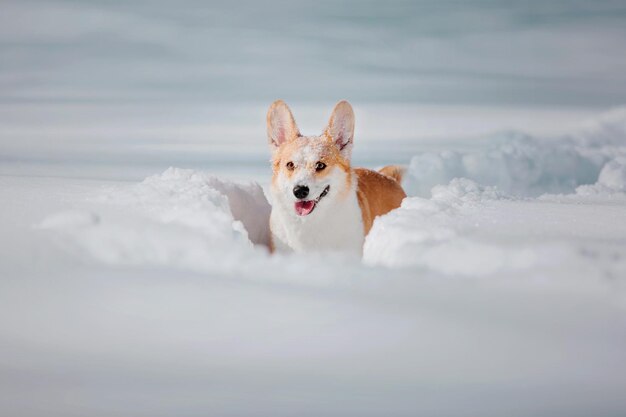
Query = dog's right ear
x=281 y=126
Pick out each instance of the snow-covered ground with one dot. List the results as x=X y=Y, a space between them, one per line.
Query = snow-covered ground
x=502 y=292
x=128 y=288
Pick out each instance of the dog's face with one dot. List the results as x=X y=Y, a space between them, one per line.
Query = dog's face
x=310 y=172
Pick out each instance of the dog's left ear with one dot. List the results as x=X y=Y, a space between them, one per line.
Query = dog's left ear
x=341 y=127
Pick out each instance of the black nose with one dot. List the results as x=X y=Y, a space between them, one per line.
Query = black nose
x=300 y=191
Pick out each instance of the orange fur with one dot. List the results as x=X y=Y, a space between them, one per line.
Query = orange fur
x=394 y=171
x=378 y=194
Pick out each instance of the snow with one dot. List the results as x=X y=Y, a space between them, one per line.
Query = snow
x=475 y=218
x=469 y=230
x=516 y=165
x=159 y=297
x=181 y=217
x=523 y=165
x=611 y=180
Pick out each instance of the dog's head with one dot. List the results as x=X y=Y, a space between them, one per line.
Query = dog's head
x=310 y=171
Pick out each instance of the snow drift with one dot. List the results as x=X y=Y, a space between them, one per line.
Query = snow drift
x=478 y=199
x=181 y=218
x=522 y=165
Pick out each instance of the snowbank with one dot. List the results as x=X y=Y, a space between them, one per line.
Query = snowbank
x=201 y=194
x=514 y=163
x=522 y=165
x=471 y=226
x=181 y=218
x=611 y=181
x=430 y=233
x=469 y=230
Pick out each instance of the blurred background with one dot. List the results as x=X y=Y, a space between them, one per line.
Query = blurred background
x=121 y=89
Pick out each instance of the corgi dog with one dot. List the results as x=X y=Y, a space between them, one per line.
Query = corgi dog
x=319 y=201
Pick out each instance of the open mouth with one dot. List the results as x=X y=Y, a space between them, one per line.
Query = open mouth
x=306 y=207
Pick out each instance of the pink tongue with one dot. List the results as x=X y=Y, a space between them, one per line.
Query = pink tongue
x=304 y=207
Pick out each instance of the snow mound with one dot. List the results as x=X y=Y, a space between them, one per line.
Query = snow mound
x=414 y=234
x=470 y=230
x=243 y=202
x=612 y=180
x=613 y=175
x=462 y=191
x=521 y=165
x=180 y=218
x=515 y=164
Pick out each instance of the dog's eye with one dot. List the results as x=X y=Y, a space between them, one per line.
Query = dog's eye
x=290 y=166
x=320 y=166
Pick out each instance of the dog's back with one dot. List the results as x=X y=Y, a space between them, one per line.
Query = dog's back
x=378 y=192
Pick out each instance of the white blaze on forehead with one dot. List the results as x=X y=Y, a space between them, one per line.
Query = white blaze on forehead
x=309 y=153
x=303 y=157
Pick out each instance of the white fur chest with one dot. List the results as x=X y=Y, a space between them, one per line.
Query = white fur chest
x=335 y=225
